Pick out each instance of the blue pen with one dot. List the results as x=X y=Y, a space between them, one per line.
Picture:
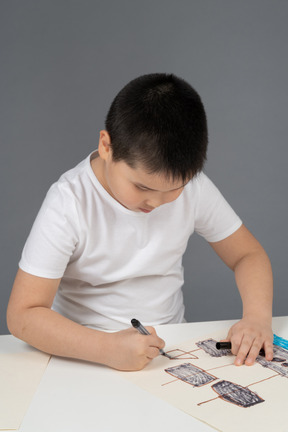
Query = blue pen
x=141 y=329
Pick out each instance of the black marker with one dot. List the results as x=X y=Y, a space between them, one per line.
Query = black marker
x=223 y=345
x=228 y=345
x=141 y=329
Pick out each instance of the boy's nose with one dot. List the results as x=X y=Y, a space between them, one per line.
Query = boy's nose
x=152 y=204
x=159 y=199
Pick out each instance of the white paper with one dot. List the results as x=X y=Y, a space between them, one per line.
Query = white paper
x=214 y=390
x=20 y=375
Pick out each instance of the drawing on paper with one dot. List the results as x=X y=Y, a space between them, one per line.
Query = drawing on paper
x=209 y=346
x=191 y=374
x=280 y=356
x=236 y=394
x=178 y=354
x=204 y=382
x=226 y=390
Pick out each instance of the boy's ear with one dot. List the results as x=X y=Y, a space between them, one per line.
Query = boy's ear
x=104 y=147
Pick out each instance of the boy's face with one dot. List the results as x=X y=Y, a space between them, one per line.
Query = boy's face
x=134 y=188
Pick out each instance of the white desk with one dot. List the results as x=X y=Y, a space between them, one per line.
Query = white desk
x=75 y=396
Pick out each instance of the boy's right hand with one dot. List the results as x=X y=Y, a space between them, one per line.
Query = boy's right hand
x=30 y=318
x=128 y=350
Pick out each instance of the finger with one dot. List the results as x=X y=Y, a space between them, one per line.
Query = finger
x=152 y=352
x=254 y=352
x=156 y=341
x=236 y=343
x=268 y=348
x=243 y=351
x=229 y=335
x=161 y=343
x=151 y=330
x=158 y=344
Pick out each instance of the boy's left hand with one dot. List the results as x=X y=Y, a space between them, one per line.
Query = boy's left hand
x=248 y=336
x=243 y=254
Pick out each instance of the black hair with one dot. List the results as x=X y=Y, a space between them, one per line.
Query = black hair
x=158 y=121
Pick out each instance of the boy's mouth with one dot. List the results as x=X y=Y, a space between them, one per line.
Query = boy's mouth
x=145 y=210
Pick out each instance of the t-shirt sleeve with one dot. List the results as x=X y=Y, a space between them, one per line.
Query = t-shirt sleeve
x=53 y=236
x=214 y=217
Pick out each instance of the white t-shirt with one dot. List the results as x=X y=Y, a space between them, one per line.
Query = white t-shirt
x=117 y=264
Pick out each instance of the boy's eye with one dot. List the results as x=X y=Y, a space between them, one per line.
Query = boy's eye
x=141 y=188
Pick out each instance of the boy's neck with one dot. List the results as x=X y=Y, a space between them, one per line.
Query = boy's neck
x=97 y=167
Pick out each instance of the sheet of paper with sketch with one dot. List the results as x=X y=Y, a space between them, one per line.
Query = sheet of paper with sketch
x=204 y=382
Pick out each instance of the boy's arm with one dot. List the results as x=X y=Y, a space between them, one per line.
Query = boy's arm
x=30 y=318
x=251 y=265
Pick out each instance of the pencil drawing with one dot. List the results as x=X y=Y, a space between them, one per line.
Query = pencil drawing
x=209 y=346
x=280 y=356
x=227 y=391
x=280 y=352
x=236 y=394
x=275 y=366
x=191 y=374
x=178 y=354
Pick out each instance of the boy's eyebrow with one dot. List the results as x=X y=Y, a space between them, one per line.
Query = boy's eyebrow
x=155 y=190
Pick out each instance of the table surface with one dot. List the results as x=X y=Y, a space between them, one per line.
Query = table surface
x=77 y=396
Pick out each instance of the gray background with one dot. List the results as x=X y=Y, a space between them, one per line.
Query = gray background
x=62 y=63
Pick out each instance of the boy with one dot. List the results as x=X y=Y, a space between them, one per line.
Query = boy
x=108 y=242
